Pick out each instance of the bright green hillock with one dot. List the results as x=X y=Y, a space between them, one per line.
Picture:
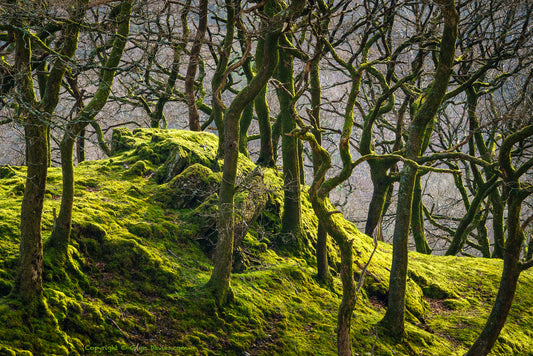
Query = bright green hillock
x=140 y=256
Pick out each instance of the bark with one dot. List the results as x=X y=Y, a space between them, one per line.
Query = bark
x=393 y=320
x=382 y=184
x=28 y=285
x=248 y=113
x=318 y=194
x=291 y=221
x=266 y=153
x=194 y=116
x=80 y=146
x=417 y=227
x=219 y=283
x=498 y=224
x=246 y=121
x=60 y=238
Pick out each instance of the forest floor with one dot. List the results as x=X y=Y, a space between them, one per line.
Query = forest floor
x=143 y=233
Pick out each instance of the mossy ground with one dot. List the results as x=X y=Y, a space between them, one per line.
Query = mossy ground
x=133 y=281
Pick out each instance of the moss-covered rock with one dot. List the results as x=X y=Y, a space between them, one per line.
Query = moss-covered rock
x=122 y=140
x=190 y=188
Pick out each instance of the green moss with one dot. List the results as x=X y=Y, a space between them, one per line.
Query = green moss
x=141 y=229
x=190 y=188
x=137 y=265
x=122 y=140
x=139 y=169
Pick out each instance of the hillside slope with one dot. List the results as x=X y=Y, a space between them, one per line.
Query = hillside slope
x=143 y=231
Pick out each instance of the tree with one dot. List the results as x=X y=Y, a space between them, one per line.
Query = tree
x=60 y=238
x=516 y=192
x=194 y=116
x=428 y=104
x=219 y=282
x=37 y=115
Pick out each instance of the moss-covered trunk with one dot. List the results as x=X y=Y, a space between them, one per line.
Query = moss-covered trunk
x=266 y=153
x=323 y=274
x=417 y=226
x=318 y=194
x=219 y=283
x=248 y=112
x=60 y=238
x=291 y=221
x=28 y=285
x=382 y=184
x=393 y=320
x=80 y=146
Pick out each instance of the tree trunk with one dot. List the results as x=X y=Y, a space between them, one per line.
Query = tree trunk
x=28 y=284
x=246 y=121
x=266 y=153
x=323 y=274
x=376 y=208
x=218 y=107
x=291 y=221
x=194 y=116
x=393 y=320
x=80 y=146
x=349 y=296
x=394 y=317
x=419 y=234
x=498 y=225
x=60 y=238
x=513 y=247
x=219 y=283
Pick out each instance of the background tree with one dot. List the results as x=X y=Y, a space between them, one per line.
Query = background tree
x=60 y=238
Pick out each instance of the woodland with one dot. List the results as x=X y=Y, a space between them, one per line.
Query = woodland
x=306 y=177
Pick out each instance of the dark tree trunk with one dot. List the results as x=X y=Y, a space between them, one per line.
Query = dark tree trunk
x=194 y=116
x=60 y=238
x=323 y=274
x=376 y=208
x=291 y=221
x=80 y=146
x=28 y=284
x=419 y=234
x=266 y=153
